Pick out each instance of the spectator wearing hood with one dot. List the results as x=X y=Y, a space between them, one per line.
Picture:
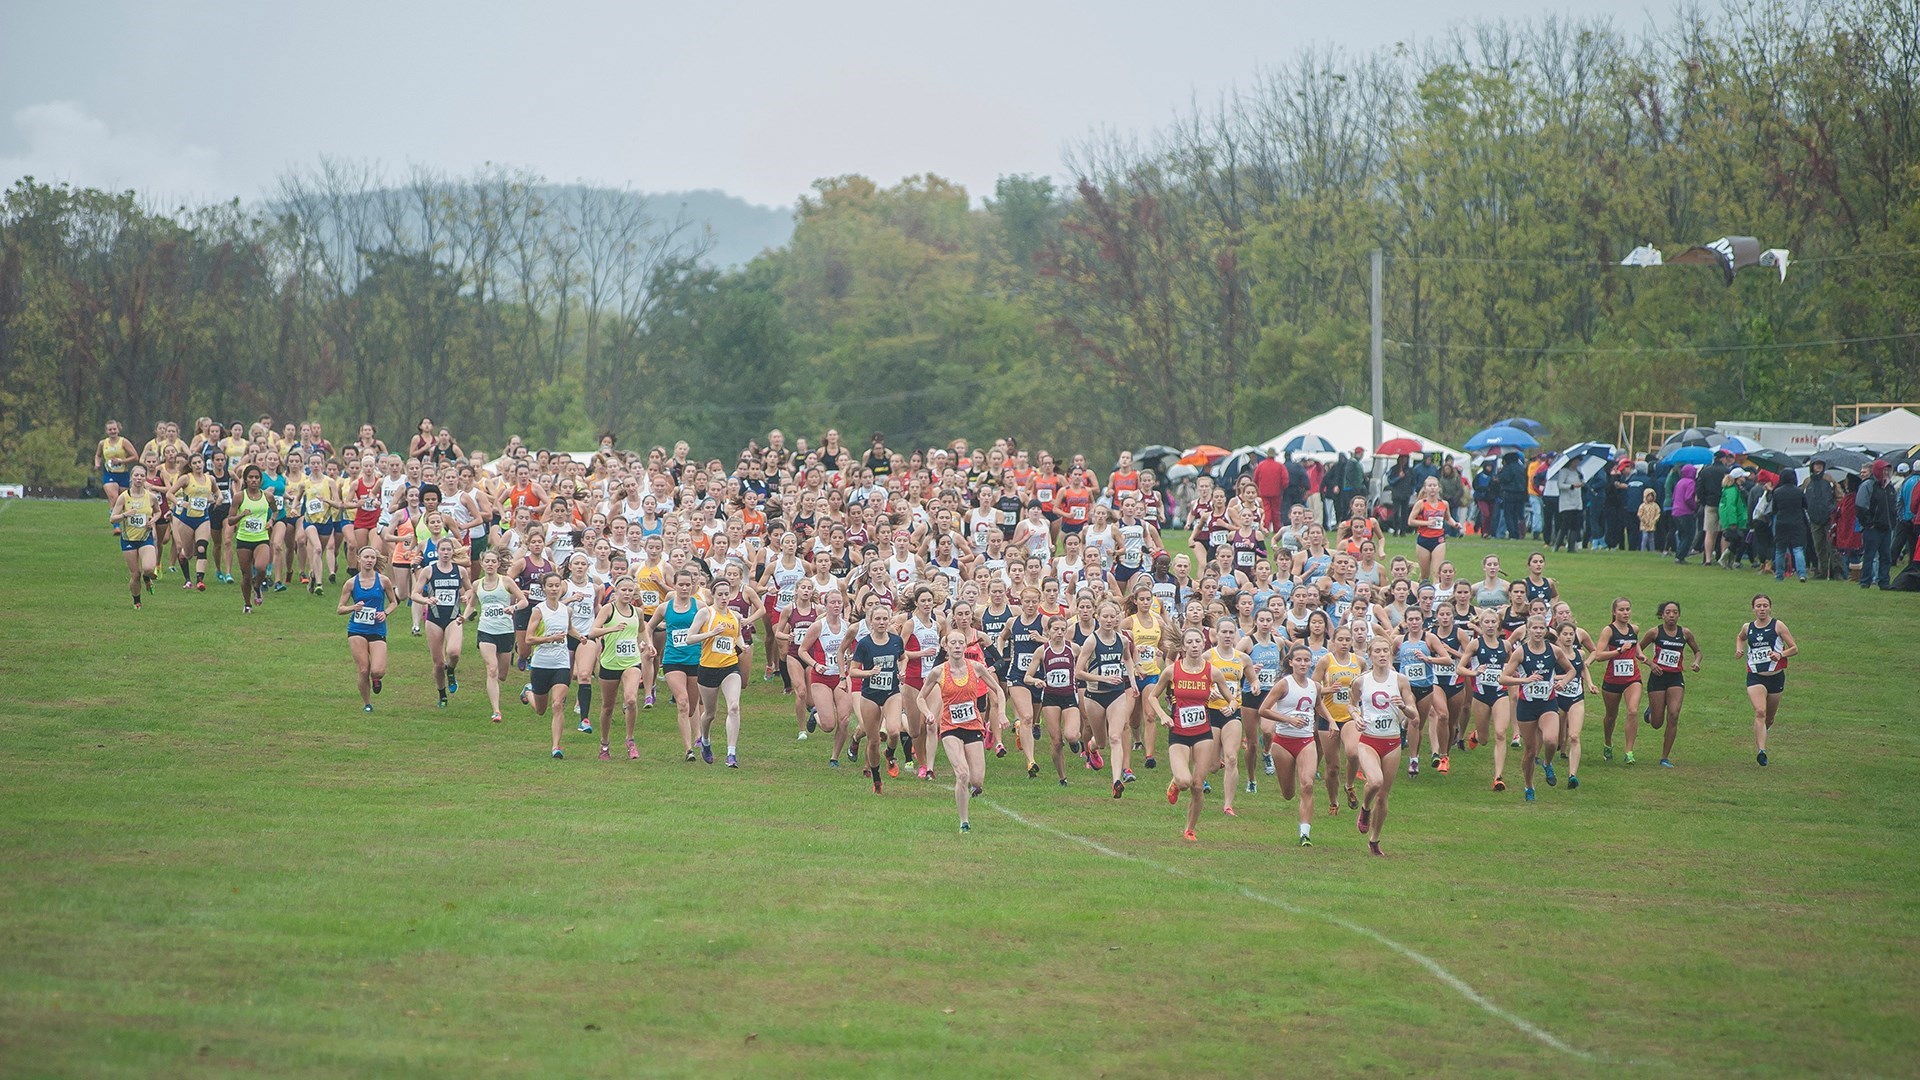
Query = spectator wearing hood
x=1453 y=490
x=1736 y=517
x=1400 y=489
x=1790 y=526
x=1822 y=503
x=1846 y=526
x=1486 y=494
x=1637 y=484
x=1514 y=496
x=1537 y=521
x=1903 y=514
x=1569 y=501
x=1316 y=482
x=1874 y=503
x=1685 y=511
x=1270 y=483
x=1346 y=481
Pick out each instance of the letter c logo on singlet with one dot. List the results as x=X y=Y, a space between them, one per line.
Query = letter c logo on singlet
x=1380 y=699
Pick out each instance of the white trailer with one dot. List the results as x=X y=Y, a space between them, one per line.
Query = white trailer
x=1799 y=439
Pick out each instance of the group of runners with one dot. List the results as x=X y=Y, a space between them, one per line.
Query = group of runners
x=959 y=601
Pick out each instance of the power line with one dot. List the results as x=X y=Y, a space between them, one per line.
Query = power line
x=1603 y=264
x=1563 y=351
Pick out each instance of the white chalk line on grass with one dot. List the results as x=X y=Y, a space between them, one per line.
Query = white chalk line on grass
x=1454 y=982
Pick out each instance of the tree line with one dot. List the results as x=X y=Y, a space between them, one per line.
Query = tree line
x=1206 y=282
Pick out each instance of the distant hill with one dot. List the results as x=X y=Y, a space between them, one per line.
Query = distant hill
x=741 y=229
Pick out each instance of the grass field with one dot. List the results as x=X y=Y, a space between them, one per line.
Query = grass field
x=215 y=863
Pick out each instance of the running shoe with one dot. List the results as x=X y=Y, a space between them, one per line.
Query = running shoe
x=1435 y=763
x=1473 y=740
x=1516 y=743
x=1063 y=781
x=633 y=752
x=1033 y=769
x=649 y=702
x=1119 y=789
x=1306 y=841
x=975 y=789
x=1761 y=757
x=1151 y=763
x=876 y=780
x=1099 y=762
x=1665 y=764
x=1413 y=766
x=279 y=588
x=453 y=685
x=1173 y=794
x=733 y=762
x=526 y=694
x=186 y=586
x=1138 y=745
x=1353 y=801
x=999 y=750
x=923 y=774
x=893 y=768
x=833 y=763
x=691 y=755
x=813 y=720
x=1189 y=837
x=1360 y=823
x=706 y=751
x=1499 y=784
x=366 y=708
x=1573 y=782
x=376 y=686
x=853 y=751
x=496 y=718
x=964 y=828
x=1228 y=810
x=1606 y=751
x=1629 y=758
x=1529 y=794
x=802 y=738
x=586 y=727
x=1445 y=766
x=1206 y=787
x=1036 y=733
x=1552 y=780
x=1373 y=848
x=443 y=699
x=606 y=753
x=1127 y=777
x=200 y=585
x=1268 y=760
x=1250 y=788
x=557 y=753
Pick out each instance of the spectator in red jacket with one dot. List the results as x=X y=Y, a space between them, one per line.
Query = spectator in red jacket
x=1270 y=481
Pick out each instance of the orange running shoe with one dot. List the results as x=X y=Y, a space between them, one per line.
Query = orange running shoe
x=893 y=769
x=1445 y=763
x=1192 y=839
x=1173 y=794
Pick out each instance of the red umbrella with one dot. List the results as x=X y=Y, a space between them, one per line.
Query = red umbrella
x=1203 y=455
x=1396 y=447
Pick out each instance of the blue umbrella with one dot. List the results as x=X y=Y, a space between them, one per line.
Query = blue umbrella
x=1740 y=445
x=1688 y=455
x=1502 y=436
x=1523 y=424
x=1308 y=444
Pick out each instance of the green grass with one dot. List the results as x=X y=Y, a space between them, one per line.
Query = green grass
x=214 y=862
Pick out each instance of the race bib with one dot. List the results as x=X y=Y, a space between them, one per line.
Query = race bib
x=1059 y=679
x=962 y=712
x=1621 y=668
x=1759 y=659
x=1192 y=715
x=1245 y=558
x=831 y=665
x=785 y=596
x=1538 y=689
x=1488 y=679
x=1342 y=695
x=198 y=504
x=369 y=503
x=1384 y=724
x=1340 y=609
x=880 y=680
x=138 y=521
x=364 y=616
x=723 y=644
x=1265 y=679
x=1667 y=658
x=649 y=598
x=1112 y=671
x=1218 y=538
x=1144 y=654
x=255 y=523
x=1415 y=672
x=1022 y=662
x=626 y=648
x=314 y=506
x=446 y=597
x=678 y=639
x=494 y=611
x=1444 y=672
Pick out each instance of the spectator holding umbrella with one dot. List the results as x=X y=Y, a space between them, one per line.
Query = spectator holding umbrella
x=1486 y=493
x=1400 y=490
x=1622 y=506
x=1846 y=526
x=1453 y=490
x=1514 y=481
x=1685 y=508
x=1570 y=505
x=1903 y=510
x=1346 y=481
x=1736 y=516
x=1296 y=485
x=1706 y=493
x=1790 y=531
x=1822 y=504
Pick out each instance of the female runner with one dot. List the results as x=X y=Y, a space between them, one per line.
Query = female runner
x=193 y=497
x=721 y=637
x=1145 y=626
x=496 y=599
x=580 y=597
x=1491 y=701
x=1334 y=675
x=1106 y=667
x=1264 y=668
x=1385 y=704
x=131 y=516
x=115 y=457
x=797 y=615
x=921 y=633
x=1190 y=682
x=952 y=692
x=252 y=513
x=1454 y=640
x=550 y=669
x=365 y=599
x=1536 y=671
x=437 y=592
x=879 y=656
x=1418 y=654
x=820 y=653
x=1019 y=642
x=617 y=632
x=1618 y=654
x=1573 y=695
x=681 y=656
x=1289 y=711
x=1430 y=517
x=1665 y=647
x=1050 y=676
x=1764 y=644
x=1224 y=714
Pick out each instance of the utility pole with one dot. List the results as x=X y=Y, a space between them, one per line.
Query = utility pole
x=1379 y=379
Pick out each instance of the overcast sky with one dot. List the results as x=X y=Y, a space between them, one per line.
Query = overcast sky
x=190 y=101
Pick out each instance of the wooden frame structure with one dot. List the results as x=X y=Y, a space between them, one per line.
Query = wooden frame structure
x=1852 y=413
x=1642 y=432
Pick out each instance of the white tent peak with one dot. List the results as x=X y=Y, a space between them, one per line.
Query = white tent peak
x=1895 y=429
x=1347 y=427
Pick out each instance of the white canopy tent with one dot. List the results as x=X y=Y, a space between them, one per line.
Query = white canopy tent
x=1347 y=427
x=1894 y=430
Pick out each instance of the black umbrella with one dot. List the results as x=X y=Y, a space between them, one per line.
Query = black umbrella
x=1695 y=436
x=1896 y=458
x=1156 y=457
x=1847 y=461
x=1533 y=427
x=1774 y=461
